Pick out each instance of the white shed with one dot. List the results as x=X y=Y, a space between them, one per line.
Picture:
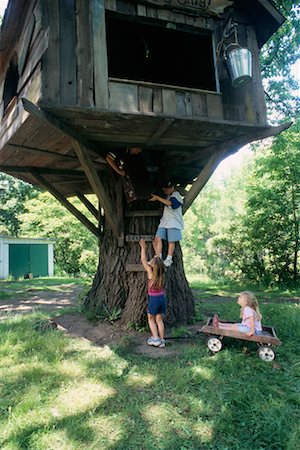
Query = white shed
x=20 y=257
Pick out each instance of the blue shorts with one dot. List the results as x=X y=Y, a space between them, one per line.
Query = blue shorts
x=244 y=329
x=156 y=304
x=169 y=234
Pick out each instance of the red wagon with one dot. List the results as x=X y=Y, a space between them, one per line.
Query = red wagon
x=265 y=341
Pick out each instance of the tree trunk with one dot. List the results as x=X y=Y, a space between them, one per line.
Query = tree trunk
x=114 y=287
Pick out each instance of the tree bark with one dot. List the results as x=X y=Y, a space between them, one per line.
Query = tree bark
x=114 y=287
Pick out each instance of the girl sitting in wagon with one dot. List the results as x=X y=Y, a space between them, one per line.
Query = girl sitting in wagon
x=250 y=315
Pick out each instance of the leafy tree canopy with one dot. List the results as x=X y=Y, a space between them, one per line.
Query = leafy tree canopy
x=13 y=194
x=277 y=56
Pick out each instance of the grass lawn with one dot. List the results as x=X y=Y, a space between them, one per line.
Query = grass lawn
x=21 y=288
x=59 y=392
x=208 y=287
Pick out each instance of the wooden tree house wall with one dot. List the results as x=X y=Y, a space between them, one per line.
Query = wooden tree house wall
x=110 y=73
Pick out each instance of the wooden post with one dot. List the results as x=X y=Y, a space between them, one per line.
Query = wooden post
x=88 y=205
x=97 y=186
x=202 y=179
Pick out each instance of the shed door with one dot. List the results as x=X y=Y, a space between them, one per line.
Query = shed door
x=28 y=258
x=39 y=260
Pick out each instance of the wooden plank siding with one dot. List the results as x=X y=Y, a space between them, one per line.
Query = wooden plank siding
x=67 y=35
x=51 y=78
x=84 y=52
x=100 y=57
x=144 y=97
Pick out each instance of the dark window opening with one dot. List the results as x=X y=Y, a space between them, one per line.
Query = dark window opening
x=143 y=52
x=11 y=82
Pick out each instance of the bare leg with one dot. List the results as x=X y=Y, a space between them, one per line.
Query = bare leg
x=171 y=248
x=160 y=326
x=229 y=326
x=157 y=245
x=152 y=325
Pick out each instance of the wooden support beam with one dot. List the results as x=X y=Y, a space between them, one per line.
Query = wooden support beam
x=218 y=156
x=48 y=117
x=237 y=142
x=84 y=220
x=38 y=151
x=88 y=205
x=43 y=170
x=160 y=131
x=97 y=186
x=202 y=179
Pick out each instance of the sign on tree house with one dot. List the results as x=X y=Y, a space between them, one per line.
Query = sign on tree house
x=211 y=7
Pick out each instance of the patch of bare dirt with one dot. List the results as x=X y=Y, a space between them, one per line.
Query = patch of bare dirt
x=105 y=333
x=41 y=300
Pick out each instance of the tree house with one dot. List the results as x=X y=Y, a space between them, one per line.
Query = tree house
x=79 y=78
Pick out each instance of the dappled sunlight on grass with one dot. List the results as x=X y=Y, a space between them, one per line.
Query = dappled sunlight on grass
x=136 y=379
x=204 y=372
x=203 y=431
x=163 y=418
x=109 y=429
x=81 y=397
x=70 y=369
x=104 y=352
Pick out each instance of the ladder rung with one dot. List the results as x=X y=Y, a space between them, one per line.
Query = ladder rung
x=138 y=237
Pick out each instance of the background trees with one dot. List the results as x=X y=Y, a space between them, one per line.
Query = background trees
x=13 y=194
x=251 y=227
x=277 y=56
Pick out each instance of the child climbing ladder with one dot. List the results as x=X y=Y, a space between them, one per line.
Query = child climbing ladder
x=171 y=224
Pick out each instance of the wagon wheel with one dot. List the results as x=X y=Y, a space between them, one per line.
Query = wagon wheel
x=266 y=353
x=214 y=344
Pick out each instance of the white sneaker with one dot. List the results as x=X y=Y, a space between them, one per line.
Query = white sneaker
x=168 y=262
x=156 y=342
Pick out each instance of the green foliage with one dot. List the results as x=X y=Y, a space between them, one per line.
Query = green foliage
x=272 y=223
x=102 y=314
x=75 y=249
x=13 y=193
x=249 y=230
x=277 y=56
x=208 y=225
